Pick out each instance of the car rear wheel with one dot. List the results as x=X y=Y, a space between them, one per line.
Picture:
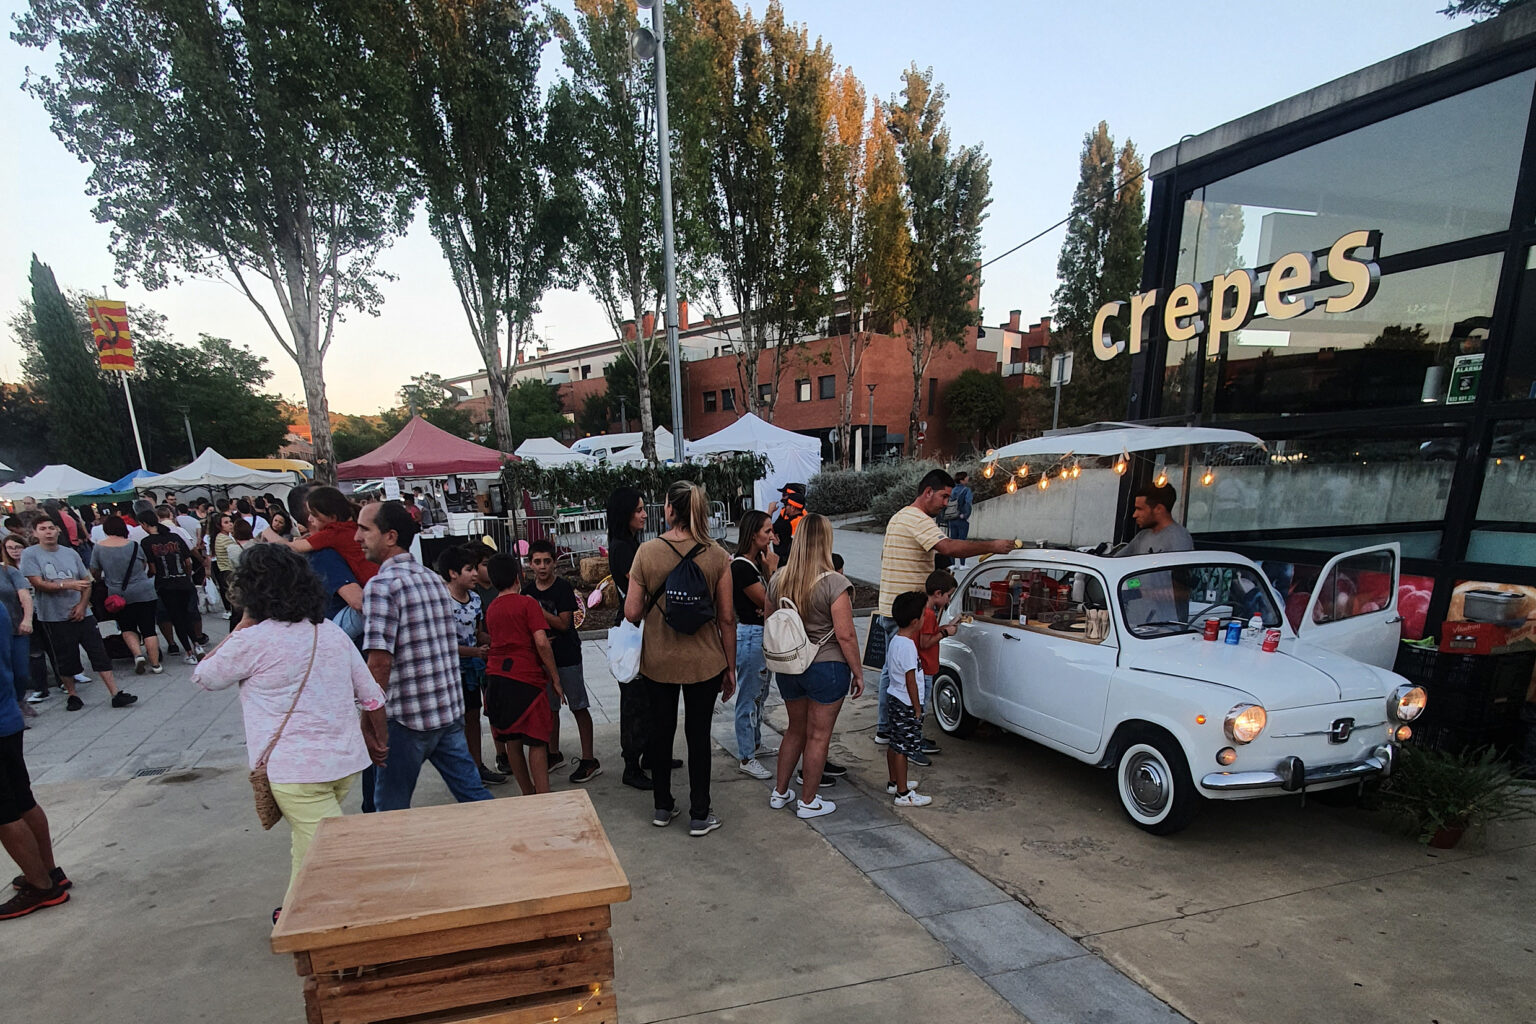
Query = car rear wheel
x=1155 y=786
x=949 y=706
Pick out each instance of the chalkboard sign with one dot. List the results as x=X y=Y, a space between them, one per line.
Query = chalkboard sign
x=874 y=644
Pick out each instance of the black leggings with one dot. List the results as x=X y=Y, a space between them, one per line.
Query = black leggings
x=181 y=613
x=632 y=725
x=661 y=724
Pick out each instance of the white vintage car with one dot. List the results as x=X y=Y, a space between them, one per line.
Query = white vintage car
x=1104 y=659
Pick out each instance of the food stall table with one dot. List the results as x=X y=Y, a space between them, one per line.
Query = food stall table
x=494 y=912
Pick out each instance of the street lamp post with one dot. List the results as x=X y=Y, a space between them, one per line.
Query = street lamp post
x=871 y=421
x=651 y=44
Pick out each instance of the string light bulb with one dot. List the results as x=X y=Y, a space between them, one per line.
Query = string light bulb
x=989 y=469
x=1162 y=478
x=1077 y=470
x=1207 y=477
x=1013 y=485
x=1045 y=481
x=1023 y=471
x=1120 y=467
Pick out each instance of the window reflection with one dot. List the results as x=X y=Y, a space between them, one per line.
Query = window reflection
x=1505 y=534
x=1520 y=377
x=1430 y=175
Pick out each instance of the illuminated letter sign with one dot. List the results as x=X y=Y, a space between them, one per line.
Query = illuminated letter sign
x=1230 y=301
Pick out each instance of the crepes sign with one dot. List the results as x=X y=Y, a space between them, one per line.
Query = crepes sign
x=1230 y=301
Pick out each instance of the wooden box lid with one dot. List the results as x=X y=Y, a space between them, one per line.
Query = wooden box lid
x=428 y=869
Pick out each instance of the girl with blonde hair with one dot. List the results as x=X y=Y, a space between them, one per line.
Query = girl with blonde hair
x=813 y=698
x=696 y=666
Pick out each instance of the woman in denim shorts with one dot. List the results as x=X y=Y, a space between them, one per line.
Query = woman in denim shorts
x=814 y=697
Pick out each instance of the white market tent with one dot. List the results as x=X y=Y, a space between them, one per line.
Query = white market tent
x=546 y=451
x=51 y=482
x=1122 y=438
x=211 y=469
x=792 y=457
x=604 y=445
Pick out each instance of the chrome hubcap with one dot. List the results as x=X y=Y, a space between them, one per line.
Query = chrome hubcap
x=1147 y=781
x=946 y=704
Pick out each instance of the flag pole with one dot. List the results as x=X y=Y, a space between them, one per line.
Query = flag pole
x=133 y=417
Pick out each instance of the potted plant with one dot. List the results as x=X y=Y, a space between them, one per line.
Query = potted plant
x=1444 y=794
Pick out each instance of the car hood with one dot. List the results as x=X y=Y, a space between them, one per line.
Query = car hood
x=1295 y=676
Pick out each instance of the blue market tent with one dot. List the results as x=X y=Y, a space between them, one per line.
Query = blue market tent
x=121 y=489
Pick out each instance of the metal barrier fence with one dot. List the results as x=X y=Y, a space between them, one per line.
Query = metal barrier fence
x=577 y=534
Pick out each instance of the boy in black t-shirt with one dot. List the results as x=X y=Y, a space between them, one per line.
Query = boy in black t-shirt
x=561 y=607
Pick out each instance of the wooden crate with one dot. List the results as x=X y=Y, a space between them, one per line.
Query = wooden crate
x=494 y=913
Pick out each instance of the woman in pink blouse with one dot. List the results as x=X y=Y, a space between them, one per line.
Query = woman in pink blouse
x=322 y=749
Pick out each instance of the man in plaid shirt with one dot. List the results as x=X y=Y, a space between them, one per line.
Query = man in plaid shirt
x=412 y=648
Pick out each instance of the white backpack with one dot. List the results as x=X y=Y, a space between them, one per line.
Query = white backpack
x=786 y=647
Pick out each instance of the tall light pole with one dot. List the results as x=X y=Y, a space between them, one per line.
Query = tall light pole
x=871 y=420
x=650 y=43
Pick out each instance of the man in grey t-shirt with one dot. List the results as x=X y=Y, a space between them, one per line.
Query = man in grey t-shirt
x=61 y=586
x=1157 y=531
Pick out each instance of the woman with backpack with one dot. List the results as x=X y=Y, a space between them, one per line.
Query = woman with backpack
x=755 y=561
x=680 y=588
x=824 y=599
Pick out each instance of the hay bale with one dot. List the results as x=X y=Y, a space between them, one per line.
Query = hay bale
x=593 y=570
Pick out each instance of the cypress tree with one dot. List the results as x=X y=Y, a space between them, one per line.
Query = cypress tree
x=82 y=427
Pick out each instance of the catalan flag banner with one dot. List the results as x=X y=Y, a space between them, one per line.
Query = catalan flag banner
x=109 y=325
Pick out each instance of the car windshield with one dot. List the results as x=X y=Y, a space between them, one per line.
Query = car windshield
x=1163 y=602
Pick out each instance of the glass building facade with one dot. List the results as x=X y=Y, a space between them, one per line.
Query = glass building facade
x=1413 y=417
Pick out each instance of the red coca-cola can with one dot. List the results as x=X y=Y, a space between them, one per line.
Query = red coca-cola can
x=1271 y=640
x=1212 y=629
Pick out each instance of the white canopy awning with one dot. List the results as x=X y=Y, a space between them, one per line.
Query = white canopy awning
x=792 y=457
x=1123 y=439
x=211 y=469
x=546 y=451
x=58 y=481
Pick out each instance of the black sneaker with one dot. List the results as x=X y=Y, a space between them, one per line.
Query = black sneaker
x=57 y=875
x=29 y=898
x=930 y=747
x=637 y=779
x=74 y=703
x=502 y=765
x=882 y=738
x=172 y=649
x=834 y=769
x=703 y=826
x=586 y=771
x=491 y=778
x=122 y=699
x=921 y=760
x=827 y=781
x=556 y=760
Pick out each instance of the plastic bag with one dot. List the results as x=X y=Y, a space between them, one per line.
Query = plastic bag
x=624 y=651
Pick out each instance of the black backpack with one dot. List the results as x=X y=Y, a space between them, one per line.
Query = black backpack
x=690 y=601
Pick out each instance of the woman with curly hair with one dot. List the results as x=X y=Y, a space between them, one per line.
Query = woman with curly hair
x=301 y=682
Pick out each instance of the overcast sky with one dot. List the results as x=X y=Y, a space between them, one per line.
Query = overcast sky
x=1025 y=79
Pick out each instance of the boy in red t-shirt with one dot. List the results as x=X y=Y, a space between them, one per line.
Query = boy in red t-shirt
x=520 y=663
x=940 y=587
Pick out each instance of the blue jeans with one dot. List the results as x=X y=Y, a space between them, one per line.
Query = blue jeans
x=959 y=529
x=888 y=624
x=449 y=754
x=21 y=663
x=751 y=689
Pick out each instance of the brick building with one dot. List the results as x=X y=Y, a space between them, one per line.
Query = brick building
x=812 y=386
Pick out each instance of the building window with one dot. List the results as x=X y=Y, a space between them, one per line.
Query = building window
x=709 y=401
x=803 y=390
x=728 y=399
x=933 y=394
x=826 y=386
x=764 y=394
x=586 y=372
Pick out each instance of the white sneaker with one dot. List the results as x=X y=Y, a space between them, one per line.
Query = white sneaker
x=157 y=669
x=81 y=677
x=913 y=799
x=139 y=665
x=37 y=696
x=778 y=801
x=815 y=809
x=190 y=659
x=200 y=651
x=753 y=767
x=890 y=787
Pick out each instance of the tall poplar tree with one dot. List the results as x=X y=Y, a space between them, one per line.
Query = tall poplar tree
x=947 y=193
x=755 y=98
x=80 y=418
x=254 y=139
x=1100 y=262
x=477 y=138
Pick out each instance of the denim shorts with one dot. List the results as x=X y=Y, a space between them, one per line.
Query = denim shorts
x=825 y=682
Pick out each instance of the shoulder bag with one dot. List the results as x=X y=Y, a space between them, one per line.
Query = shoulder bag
x=115 y=603
x=266 y=804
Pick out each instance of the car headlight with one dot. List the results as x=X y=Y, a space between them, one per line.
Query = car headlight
x=1407 y=703
x=1245 y=722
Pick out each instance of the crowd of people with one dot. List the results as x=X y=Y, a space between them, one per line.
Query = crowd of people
x=357 y=664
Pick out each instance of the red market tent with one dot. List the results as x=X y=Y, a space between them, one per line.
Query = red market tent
x=422 y=450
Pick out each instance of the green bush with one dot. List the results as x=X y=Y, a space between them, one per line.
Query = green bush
x=839 y=491
x=901 y=491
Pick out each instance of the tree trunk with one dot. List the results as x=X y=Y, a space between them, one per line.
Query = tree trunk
x=643 y=349
x=501 y=419
x=919 y=364
x=313 y=376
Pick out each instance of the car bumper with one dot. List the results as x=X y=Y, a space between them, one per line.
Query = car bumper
x=1291 y=774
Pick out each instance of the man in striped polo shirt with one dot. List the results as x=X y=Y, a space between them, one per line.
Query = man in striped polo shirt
x=911 y=540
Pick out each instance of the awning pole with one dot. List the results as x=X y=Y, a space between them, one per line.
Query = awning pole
x=134 y=419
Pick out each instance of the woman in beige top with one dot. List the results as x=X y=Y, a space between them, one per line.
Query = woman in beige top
x=697 y=666
x=813 y=698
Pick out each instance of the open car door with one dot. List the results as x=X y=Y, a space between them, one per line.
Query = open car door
x=1353 y=608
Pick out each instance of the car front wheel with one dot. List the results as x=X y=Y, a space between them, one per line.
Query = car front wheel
x=1155 y=786
x=949 y=706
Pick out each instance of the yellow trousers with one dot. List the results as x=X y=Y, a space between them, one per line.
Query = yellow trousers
x=305 y=804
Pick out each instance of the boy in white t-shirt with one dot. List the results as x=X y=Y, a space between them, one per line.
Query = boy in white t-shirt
x=907 y=690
